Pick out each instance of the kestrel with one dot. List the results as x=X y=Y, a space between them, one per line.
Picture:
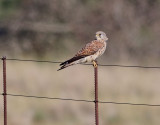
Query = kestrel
x=89 y=53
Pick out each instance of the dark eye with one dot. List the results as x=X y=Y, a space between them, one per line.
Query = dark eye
x=99 y=34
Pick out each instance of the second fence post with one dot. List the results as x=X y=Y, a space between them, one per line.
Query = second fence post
x=96 y=94
x=4 y=90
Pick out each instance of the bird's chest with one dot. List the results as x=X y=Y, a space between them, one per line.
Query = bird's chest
x=96 y=55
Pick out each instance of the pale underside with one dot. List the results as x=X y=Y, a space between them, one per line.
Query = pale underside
x=89 y=53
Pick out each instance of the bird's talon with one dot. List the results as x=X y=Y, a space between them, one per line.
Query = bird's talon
x=94 y=64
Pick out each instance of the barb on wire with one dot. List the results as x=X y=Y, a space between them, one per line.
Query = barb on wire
x=103 y=65
x=82 y=100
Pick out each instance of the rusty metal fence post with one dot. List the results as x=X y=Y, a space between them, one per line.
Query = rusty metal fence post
x=4 y=90
x=96 y=94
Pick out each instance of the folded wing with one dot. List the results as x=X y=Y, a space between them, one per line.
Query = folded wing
x=90 y=49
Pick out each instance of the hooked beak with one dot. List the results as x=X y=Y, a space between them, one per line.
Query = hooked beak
x=97 y=35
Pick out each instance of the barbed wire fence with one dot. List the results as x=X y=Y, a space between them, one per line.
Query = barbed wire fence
x=96 y=101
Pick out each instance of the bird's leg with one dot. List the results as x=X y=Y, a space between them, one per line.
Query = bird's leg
x=95 y=63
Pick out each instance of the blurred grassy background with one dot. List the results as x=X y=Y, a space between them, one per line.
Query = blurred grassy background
x=55 y=30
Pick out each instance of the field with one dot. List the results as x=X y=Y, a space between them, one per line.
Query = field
x=116 y=84
x=56 y=30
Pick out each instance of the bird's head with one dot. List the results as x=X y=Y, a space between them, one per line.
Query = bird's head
x=101 y=36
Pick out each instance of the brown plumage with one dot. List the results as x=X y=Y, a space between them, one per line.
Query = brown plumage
x=90 y=48
x=90 y=52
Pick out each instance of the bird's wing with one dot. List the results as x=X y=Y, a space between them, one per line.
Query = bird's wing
x=90 y=48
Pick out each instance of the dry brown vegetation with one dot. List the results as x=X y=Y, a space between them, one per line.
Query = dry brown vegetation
x=55 y=30
x=52 y=27
x=77 y=82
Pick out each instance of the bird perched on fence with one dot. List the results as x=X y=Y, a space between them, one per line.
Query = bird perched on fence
x=89 y=53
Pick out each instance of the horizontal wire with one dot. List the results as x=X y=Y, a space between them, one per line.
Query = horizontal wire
x=127 y=103
x=51 y=98
x=103 y=65
x=151 y=67
x=81 y=100
x=30 y=60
